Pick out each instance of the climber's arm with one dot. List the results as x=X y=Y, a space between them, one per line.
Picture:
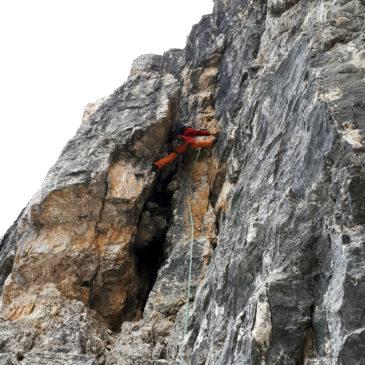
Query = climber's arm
x=187 y=139
x=197 y=143
x=192 y=132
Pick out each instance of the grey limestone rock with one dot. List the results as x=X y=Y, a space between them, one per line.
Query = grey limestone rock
x=95 y=270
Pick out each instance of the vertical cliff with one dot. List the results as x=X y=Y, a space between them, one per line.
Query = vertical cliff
x=95 y=269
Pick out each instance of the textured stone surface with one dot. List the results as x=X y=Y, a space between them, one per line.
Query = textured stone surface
x=96 y=266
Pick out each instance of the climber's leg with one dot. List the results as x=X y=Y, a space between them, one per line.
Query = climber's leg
x=166 y=160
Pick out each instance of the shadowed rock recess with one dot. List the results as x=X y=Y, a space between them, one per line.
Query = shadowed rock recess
x=95 y=269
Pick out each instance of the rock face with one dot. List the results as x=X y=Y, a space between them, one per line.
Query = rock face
x=95 y=269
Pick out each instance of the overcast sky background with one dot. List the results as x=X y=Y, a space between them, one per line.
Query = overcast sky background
x=58 y=55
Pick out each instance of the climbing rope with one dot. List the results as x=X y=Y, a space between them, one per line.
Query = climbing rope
x=190 y=264
x=191 y=248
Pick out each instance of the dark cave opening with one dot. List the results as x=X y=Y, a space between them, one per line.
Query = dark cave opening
x=149 y=249
x=149 y=260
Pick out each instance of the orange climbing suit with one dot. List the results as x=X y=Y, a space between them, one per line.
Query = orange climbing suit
x=187 y=139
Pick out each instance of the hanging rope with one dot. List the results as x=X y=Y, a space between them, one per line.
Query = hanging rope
x=191 y=248
x=190 y=264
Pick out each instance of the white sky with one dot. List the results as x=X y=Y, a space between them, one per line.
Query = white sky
x=58 y=55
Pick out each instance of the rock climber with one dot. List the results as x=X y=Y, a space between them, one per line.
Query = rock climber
x=182 y=137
